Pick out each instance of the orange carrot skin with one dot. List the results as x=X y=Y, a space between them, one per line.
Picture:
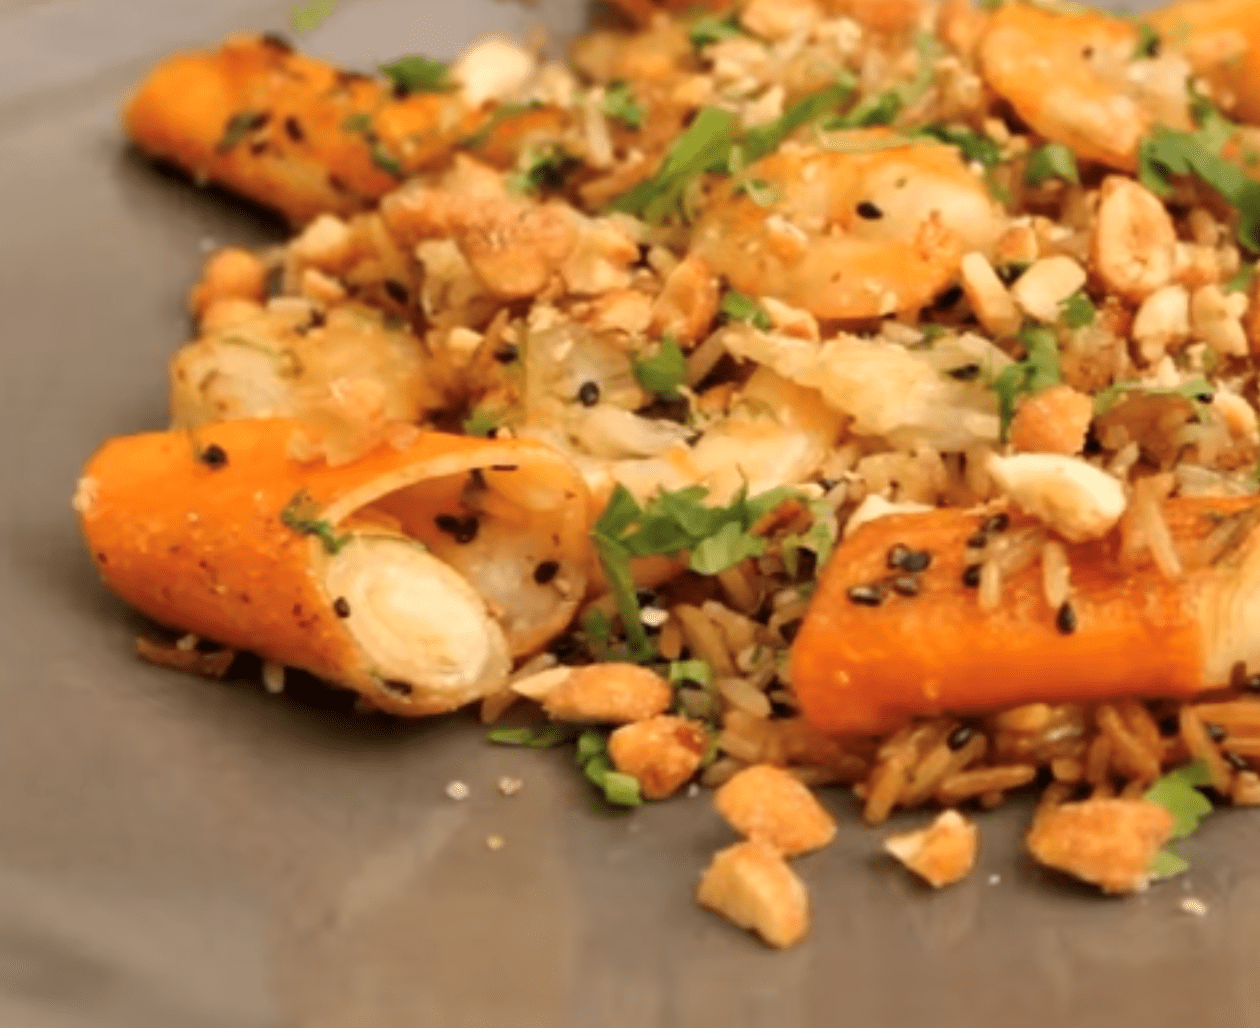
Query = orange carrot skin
x=202 y=547
x=860 y=669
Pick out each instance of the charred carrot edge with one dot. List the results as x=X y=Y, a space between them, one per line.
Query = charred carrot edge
x=221 y=533
x=288 y=131
x=867 y=659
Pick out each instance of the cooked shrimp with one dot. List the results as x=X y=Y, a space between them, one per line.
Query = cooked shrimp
x=1221 y=40
x=1074 y=78
x=871 y=230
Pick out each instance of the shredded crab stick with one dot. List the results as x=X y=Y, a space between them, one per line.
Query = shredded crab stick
x=875 y=651
x=868 y=230
x=301 y=136
x=411 y=576
x=1072 y=76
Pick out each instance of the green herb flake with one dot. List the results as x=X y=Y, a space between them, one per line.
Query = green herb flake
x=697 y=671
x=621 y=789
x=299 y=516
x=819 y=538
x=597 y=768
x=662 y=373
x=544 y=169
x=1178 y=793
x=597 y=628
x=706 y=143
x=620 y=105
x=724 y=549
x=501 y=114
x=480 y=422
x=238 y=127
x=1078 y=310
x=880 y=109
x=1167 y=864
x=737 y=306
x=416 y=74
x=764 y=140
x=1240 y=281
x=1037 y=371
x=383 y=159
x=1195 y=390
x=1054 y=160
x=542 y=737
x=713 y=28
x=590 y=744
x=1147 y=42
x=974 y=145
x=310 y=16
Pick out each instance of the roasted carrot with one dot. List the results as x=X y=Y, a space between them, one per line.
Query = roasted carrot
x=411 y=576
x=868 y=658
x=301 y=136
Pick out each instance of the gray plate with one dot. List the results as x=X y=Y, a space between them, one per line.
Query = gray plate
x=181 y=853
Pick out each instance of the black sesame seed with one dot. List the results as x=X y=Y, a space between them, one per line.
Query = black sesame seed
x=998 y=523
x=789 y=629
x=396 y=290
x=213 y=456
x=1205 y=397
x=546 y=571
x=916 y=561
x=397 y=687
x=1065 y=619
x=447 y=523
x=905 y=585
x=959 y=737
x=1236 y=761
x=977 y=540
x=971 y=576
x=507 y=353
x=869 y=211
x=1252 y=683
x=1169 y=725
x=503 y=467
x=966 y=373
x=1215 y=732
x=645 y=597
x=467 y=530
x=1093 y=445
x=867 y=595
x=567 y=648
x=948 y=298
x=588 y=394
x=341 y=607
x=897 y=555
x=462 y=530
x=293 y=129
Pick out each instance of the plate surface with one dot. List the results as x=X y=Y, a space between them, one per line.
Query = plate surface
x=188 y=854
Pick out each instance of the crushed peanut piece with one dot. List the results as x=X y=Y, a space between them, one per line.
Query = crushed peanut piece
x=766 y=802
x=608 y=694
x=940 y=854
x=751 y=884
x=1109 y=842
x=662 y=753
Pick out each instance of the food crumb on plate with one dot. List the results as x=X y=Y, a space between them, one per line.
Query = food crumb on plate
x=1193 y=905
x=457 y=790
x=495 y=842
x=510 y=786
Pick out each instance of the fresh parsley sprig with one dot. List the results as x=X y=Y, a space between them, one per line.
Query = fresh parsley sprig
x=1178 y=793
x=417 y=74
x=1037 y=371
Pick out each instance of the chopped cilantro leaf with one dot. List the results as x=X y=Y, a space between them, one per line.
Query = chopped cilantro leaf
x=597 y=627
x=1167 y=864
x=308 y=17
x=706 y=143
x=1147 y=42
x=724 y=549
x=741 y=307
x=542 y=737
x=819 y=538
x=299 y=515
x=1037 y=371
x=359 y=121
x=544 y=168
x=620 y=104
x=664 y=372
x=713 y=28
x=416 y=74
x=880 y=109
x=1078 y=310
x=238 y=127
x=765 y=139
x=974 y=146
x=1193 y=391
x=1054 y=160
x=480 y=422
x=1178 y=793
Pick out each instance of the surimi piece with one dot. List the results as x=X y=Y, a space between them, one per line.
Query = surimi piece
x=867 y=658
x=303 y=137
x=412 y=576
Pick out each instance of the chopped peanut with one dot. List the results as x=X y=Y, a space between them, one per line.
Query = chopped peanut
x=662 y=753
x=779 y=19
x=1046 y=284
x=1213 y=320
x=1052 y=421
x=751 y=884
x=1109 y=842
x=988 y=297
x=608 y=694
x=1163 y=321
x=942 y=853
x=1135 y=240
x=1074 y=498
x=231 y=273
x=765 y=802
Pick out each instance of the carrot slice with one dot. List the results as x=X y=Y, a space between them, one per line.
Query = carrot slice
x=221 y=533
x=867 y=662
x=304 y=137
